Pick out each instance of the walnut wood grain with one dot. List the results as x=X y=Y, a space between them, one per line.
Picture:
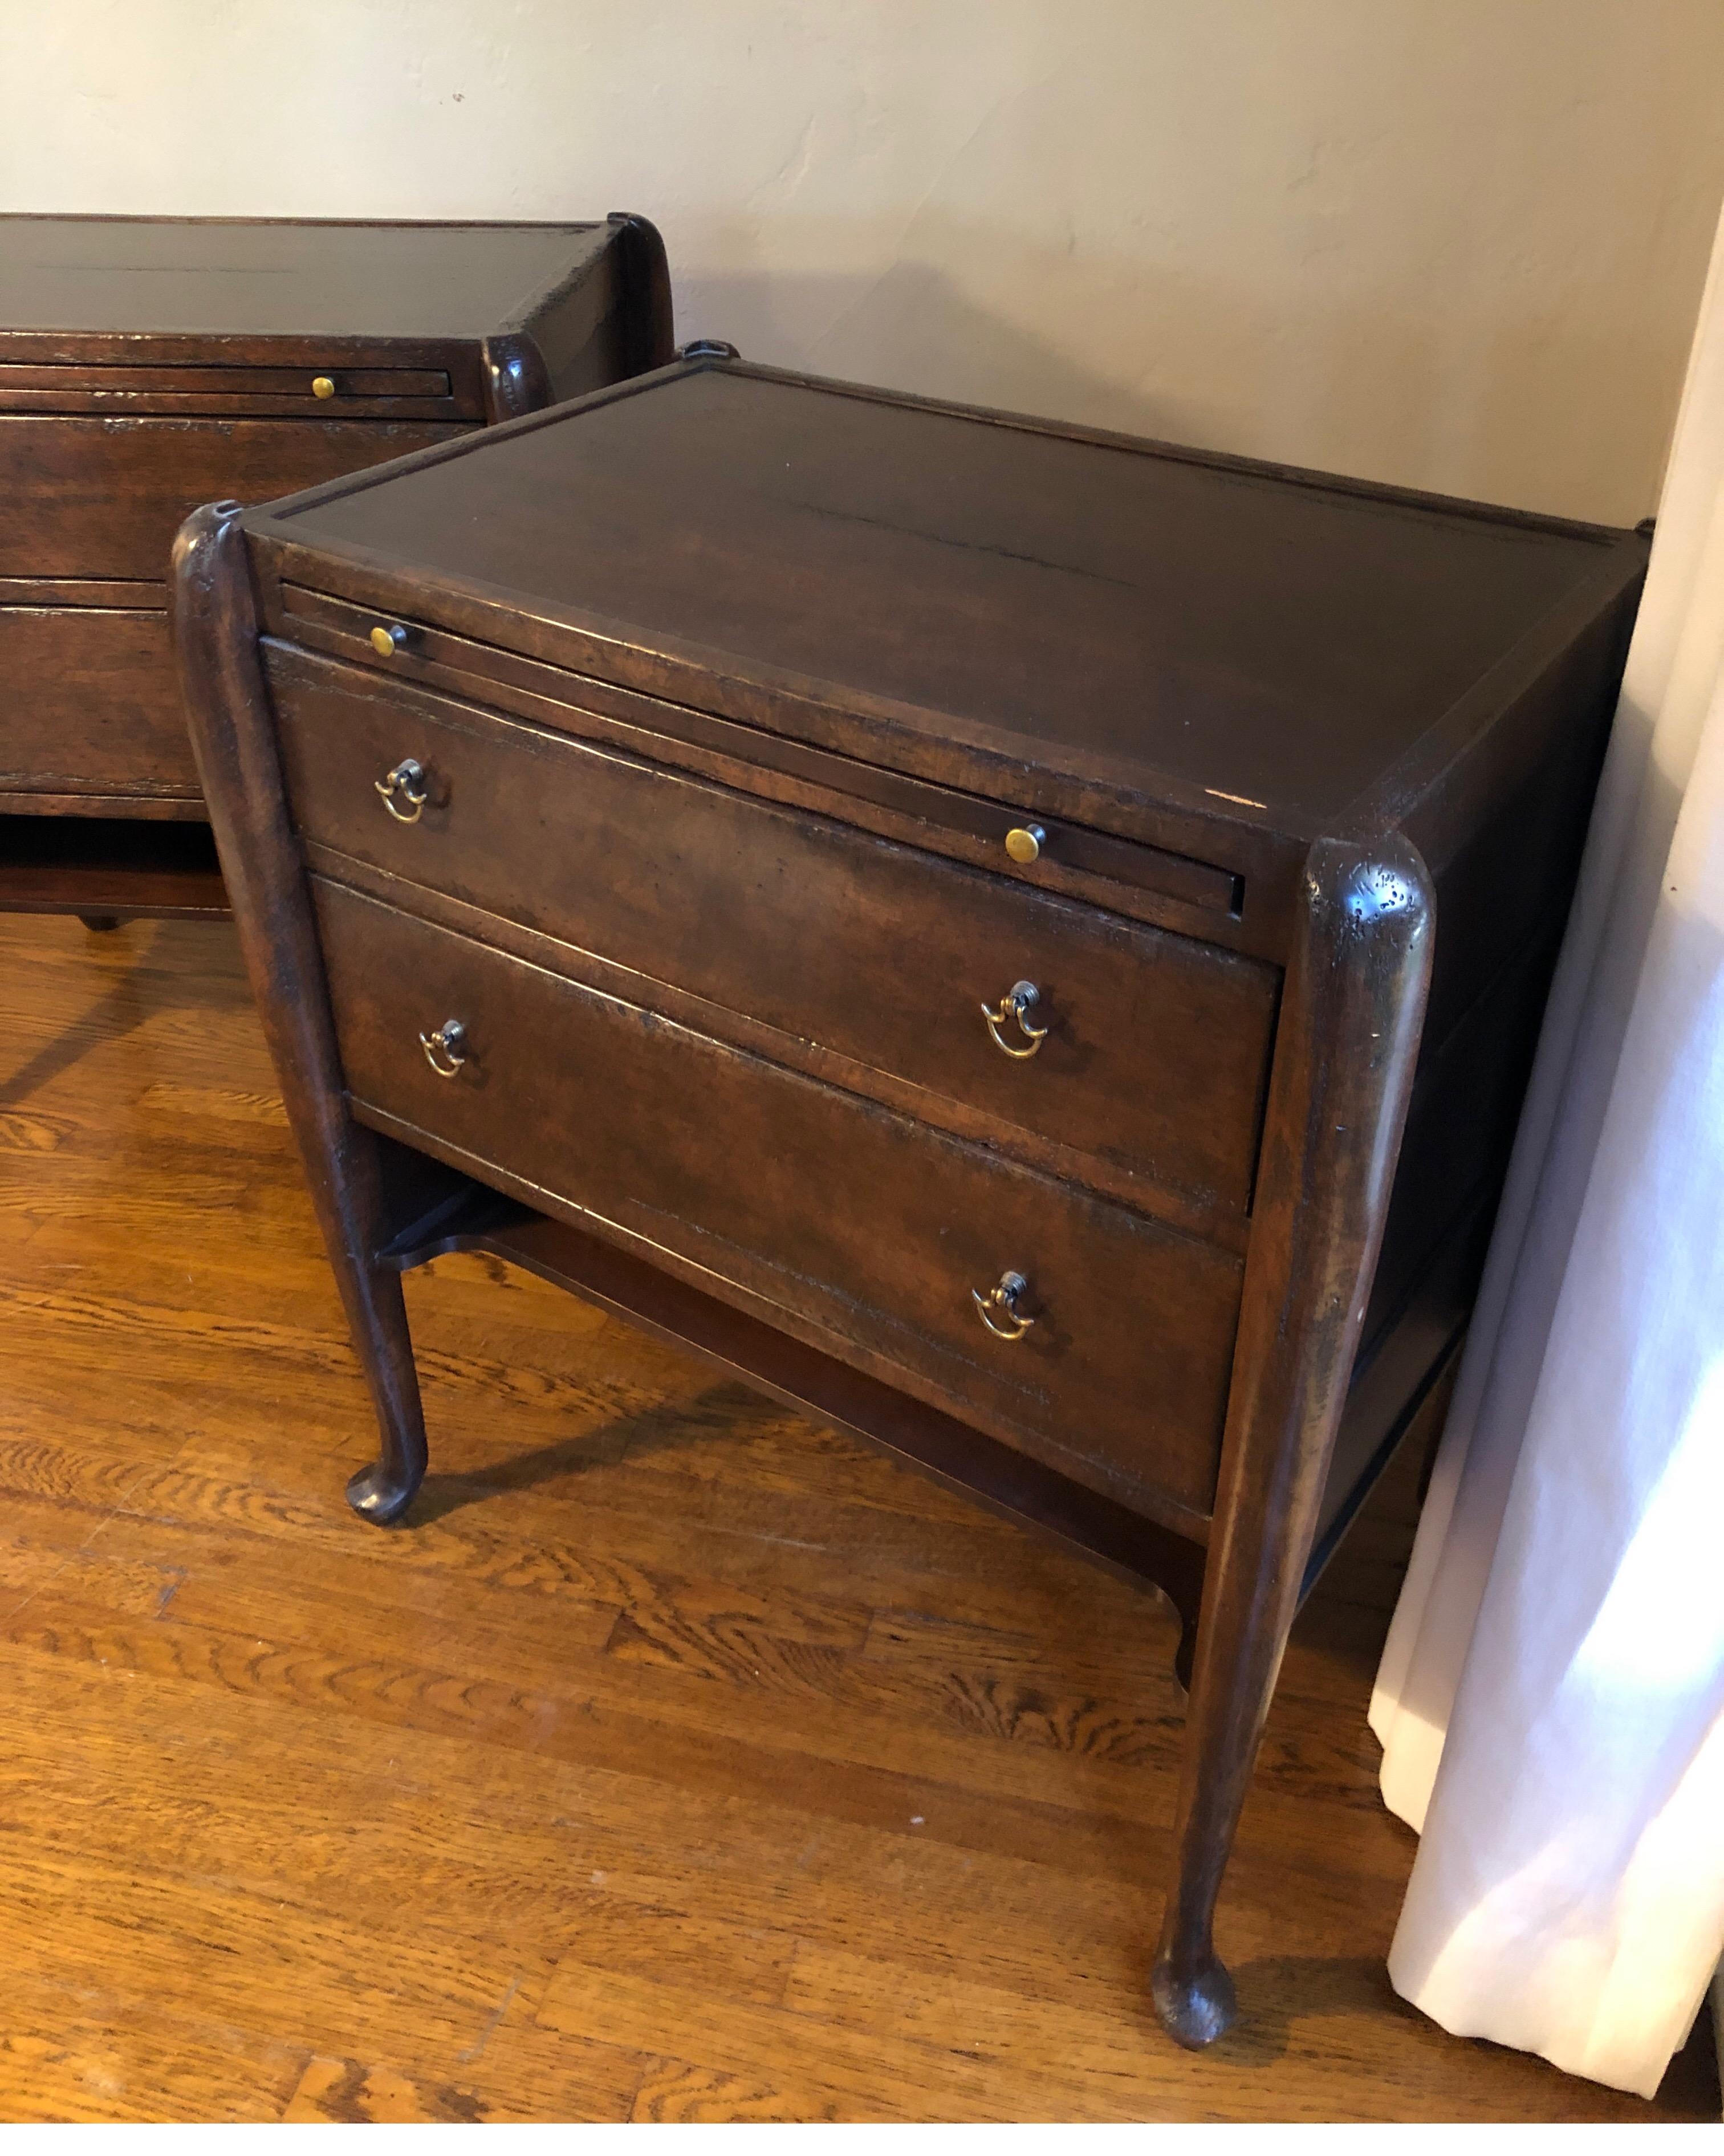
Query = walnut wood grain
x=1148 y=883
x=1021 y=596
x=798 y=1376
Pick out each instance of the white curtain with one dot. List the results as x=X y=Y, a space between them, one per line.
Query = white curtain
x=1550 y=1700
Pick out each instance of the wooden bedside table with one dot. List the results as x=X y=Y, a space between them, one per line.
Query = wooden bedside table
x=1026 y=944
x=147 y=365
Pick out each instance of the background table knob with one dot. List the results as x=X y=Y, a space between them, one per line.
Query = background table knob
x=1024 y=842
x=321 y=386
x=386 y=639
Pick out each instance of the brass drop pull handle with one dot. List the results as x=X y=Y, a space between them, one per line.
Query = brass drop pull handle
x=1001 y=1303
x=1019 y=1000
x=446 y=1049
x=405 y=791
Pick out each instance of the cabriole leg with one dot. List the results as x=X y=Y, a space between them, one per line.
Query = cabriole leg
x=1343 y=1070
x=215 y=631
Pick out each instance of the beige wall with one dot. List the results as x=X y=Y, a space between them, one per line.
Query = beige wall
x=1454 y=243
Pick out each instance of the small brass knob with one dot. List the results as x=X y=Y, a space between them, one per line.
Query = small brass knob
x=387 y=640
x=321 y=386
x=1015 y=1006
x=998 y=1307
x=1024 y=842
x=446 y=1049
x=404 y=791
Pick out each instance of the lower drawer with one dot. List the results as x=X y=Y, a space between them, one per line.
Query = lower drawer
x=850 y=1216
x=90 y=703
x=103 y=497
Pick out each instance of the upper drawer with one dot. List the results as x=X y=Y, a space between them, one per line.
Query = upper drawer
x=103 y=498
x=1128 y=875
x=881 y=1232
x=129 y=389
x=1153 y=1048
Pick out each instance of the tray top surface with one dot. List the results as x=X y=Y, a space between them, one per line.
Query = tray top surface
x=189 y=277
x=1269 y=641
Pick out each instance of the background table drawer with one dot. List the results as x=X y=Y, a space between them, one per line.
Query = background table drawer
x=211 y=389
x=90 y=703
x=103 y=497
x=1157 y=1046
x=845 y=1213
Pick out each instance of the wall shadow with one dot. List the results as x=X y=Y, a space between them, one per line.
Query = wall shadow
x=1533 y=415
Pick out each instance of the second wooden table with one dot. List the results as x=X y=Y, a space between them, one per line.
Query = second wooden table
x=147 y=365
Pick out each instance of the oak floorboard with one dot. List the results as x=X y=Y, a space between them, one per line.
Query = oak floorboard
x=678 y=1760
x=88 y=2054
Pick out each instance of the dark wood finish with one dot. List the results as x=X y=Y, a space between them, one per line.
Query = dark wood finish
x=92 y=707
x=680 y=1757
x=1147 y=882
x=803 y=1377
x=83 y=497
x=292 y=385
x=1121 y=677
x=1344 y=1057
x=150 y=365
x=215 y=643
x=723 y=691
x=1213 y=1222
x=868 y=1227
x=1157 y=1047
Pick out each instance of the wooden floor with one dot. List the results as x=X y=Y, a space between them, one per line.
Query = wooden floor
x=678 y=1761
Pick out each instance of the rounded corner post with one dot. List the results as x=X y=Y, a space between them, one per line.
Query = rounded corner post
x=1381 y=892
x=198 y=542
x=516 y=379
x=1342 y=1073
x=215 y=631
x=644 y=268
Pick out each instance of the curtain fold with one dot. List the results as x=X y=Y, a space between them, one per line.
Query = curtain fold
x=1551 y=1698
